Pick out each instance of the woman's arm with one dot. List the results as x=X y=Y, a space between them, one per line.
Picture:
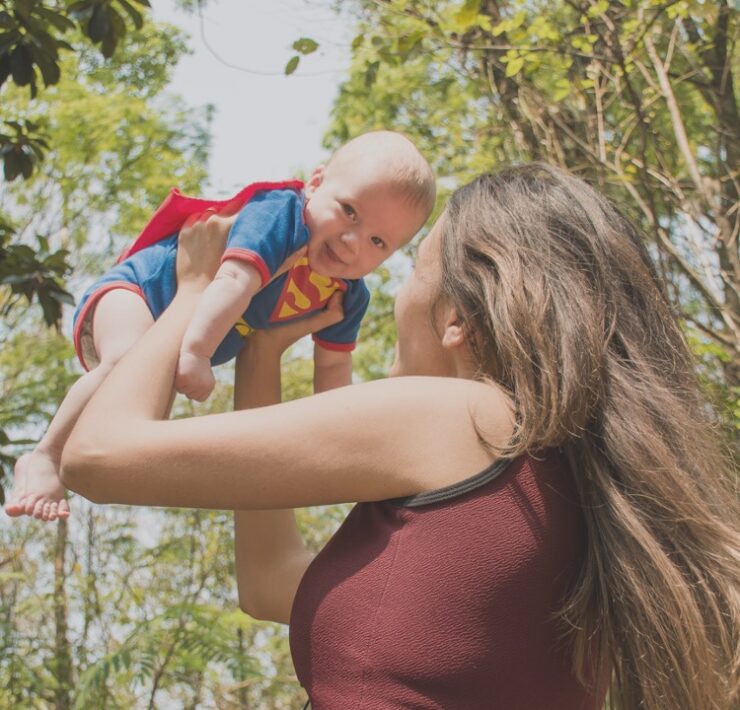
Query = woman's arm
x=271 y=557
x=368 y=442
x=331 y=369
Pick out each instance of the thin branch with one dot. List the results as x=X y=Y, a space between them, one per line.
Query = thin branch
x=679 y=129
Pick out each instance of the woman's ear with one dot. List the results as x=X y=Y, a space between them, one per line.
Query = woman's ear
x=317 y=177
x=453 y=335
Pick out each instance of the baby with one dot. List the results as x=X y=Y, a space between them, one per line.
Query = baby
x=370 y=199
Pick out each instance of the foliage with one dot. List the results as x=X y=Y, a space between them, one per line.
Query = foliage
x=95 y=188
x=638 y=97
x=32 y=34
x=26 y=273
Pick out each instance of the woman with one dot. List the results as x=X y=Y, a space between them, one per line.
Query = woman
x=542 y=511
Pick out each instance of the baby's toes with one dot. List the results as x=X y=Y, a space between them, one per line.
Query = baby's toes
x=38 y=509
x=46 y=511
x=29 y=503
x=63 y=510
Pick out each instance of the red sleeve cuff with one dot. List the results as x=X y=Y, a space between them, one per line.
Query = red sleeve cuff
x=336 y=347
x=250 y=257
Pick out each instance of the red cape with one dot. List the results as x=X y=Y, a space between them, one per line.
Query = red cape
x=176 y=208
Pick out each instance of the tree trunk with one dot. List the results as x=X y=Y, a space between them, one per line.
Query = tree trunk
x=62 y=666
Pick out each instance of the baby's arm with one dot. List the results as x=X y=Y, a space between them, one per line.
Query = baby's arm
x=221 y=305
x=331 y=369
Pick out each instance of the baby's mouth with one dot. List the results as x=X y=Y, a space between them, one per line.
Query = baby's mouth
x=332 y=255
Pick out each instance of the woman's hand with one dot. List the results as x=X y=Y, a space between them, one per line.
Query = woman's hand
x=201 y=244
x=277 y=340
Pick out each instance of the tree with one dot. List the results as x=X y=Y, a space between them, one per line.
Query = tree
x=94 y=190
x=33 y=36
x=637 y=96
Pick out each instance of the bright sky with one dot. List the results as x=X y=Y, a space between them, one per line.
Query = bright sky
x=265 y=127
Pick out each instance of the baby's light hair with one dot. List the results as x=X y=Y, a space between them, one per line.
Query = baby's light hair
x=405 y=168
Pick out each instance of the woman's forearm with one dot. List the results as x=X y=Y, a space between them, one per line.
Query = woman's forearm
x=269 y=551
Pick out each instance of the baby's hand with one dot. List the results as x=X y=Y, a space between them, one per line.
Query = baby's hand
x=194 y=376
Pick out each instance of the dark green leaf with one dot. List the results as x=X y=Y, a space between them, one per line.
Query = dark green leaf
x=56 y=19
x=43 y=40
x=99 y=26
x=11 y=166
x=7 y=42
x=292 y=64
x=26 y=165
x=109 y=46
x=136 y=17
x=4 y=68
x=21 y=65
x=49 y=68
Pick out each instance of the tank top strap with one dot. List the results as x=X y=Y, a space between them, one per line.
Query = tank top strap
x=454 y=490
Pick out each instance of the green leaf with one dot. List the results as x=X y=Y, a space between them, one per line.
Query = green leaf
x=371 y=73
x=514 y=66
x=305 y=45
x=292 y=65
x=466 y=16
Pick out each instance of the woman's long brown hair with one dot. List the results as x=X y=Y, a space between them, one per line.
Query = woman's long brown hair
x=564 y=308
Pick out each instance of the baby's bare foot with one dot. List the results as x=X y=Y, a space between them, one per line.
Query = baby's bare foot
x=37 y=490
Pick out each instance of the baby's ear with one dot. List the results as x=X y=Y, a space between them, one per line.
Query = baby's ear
x=316 y=178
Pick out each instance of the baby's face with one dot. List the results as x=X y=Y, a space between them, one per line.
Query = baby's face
x=355 y=221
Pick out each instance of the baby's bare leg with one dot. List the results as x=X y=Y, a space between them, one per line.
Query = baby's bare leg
x=120 y=319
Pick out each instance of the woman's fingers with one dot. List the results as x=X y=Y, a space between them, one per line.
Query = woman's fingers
x=283 y=336
x=334 y=306
x=201 y=243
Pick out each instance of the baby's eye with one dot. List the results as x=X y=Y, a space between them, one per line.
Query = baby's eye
x=349 y=210
x=378 y=242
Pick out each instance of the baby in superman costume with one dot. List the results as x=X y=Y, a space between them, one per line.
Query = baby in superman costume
x=370 y=199
x=267 y=231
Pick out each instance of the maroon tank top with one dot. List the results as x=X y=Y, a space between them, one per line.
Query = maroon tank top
x=446 y=599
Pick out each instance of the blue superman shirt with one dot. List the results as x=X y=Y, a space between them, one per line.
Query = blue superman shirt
x=267 y=230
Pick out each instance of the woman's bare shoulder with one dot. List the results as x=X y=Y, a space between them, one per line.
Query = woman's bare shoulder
x=434 y=425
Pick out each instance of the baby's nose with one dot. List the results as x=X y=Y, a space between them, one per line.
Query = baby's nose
x=349 y=239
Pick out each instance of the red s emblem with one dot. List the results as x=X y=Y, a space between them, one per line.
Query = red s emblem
x=304 y=291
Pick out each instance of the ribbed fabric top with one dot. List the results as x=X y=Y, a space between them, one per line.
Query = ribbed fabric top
x=446 y=600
